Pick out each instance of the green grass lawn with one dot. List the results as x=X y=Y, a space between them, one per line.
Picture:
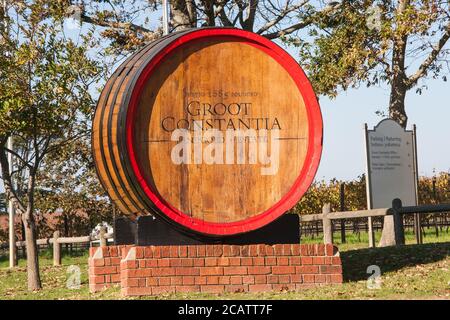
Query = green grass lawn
x=407 y=272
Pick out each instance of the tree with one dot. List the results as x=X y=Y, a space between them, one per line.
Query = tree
x=44 y=104
x=129 y=23
x=399 y=43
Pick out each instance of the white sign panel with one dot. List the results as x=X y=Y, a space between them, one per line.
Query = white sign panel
x=391 y=165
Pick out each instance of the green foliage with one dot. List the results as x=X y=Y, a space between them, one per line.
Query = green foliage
x=355 y=44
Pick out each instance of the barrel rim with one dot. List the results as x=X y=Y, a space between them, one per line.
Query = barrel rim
x=312 y=159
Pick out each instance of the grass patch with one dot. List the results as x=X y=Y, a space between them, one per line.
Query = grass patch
x=408 y=272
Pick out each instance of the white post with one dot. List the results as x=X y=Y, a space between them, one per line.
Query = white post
x=165 y=17
x=11 y=211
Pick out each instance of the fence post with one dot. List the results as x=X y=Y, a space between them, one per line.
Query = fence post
x=56 y=249
x=102 y=234
x=342 y=205
x=326 y=223
x=398 y=223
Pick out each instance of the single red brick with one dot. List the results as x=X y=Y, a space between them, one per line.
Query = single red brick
x=282 y=261
x=319 y=260
x=226 y=250
x=270 y=251
x=234 y=261
x=271 y=261
x=329 y=249
x=235 y=280
x=218 y=250
x=173 y=252
x=199 y=262
x=296 y=278
x=136 y=291
x=176 y=262
x=307 y=260
x=105 y=270
x=164 y=271
x=283 y=269
x=163 y=263
x=151 y=263
x=308 y=278
x=224 y=279
x=182 y=251
x=151 y=281
x=188 y=280
x=272 y=279
x=113 y=251
x=284 y=279
x=223 y=261
x=139 y=273
x=210 y=250
x=201 y=251
x=107 y=261
x=164 y=281
x=156 y=251
x=259 y=270
x=259 y=279
x=139 y=252
x=130 y=282
x=246 y=261
x=320 y=278
x=234 y=270
x=165 y=251
x=258 y=261
x=331 y=269
x=259 y=287
x=212 y=280
x=175 y=281
x=253 y=250
x=187 y=271
x=248 y=280
x=200 y=280
x=148 y=252
x=307 y=269
x=211 y=271
x=210 y=262
x=295 y=261
x=212 y=288
x=335 y=278
x=187 y=262
x=115 y=261
x=192 y=251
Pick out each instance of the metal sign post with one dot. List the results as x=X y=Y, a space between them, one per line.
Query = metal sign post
x=165 y=17
x=11 y=212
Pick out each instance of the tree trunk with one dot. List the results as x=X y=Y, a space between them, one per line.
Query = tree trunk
x=34 y=280
x=182 y=15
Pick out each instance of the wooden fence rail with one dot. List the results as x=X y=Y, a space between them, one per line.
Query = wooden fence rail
x=396 y=211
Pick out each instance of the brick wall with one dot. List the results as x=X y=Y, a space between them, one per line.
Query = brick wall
x=214 y=268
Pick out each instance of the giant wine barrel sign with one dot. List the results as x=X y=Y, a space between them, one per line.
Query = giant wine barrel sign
x=216 y=130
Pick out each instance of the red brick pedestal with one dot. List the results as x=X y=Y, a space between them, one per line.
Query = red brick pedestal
x=154 y=270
